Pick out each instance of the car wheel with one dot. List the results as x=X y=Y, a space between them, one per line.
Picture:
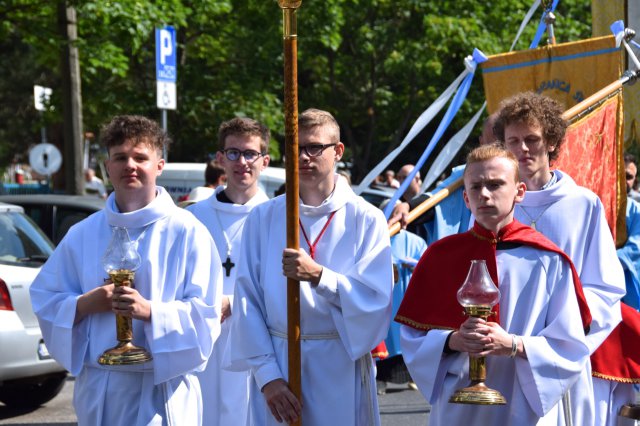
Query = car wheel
x=31 y=392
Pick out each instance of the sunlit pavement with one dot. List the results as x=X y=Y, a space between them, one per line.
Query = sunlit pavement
x=401 y=406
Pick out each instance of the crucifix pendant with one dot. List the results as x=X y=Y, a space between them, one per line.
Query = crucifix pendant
x=227 y=265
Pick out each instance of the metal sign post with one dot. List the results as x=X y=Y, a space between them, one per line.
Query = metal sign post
x=41 y=96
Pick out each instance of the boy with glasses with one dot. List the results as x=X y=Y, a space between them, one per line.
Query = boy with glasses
x=243 y=146
x=345 y=274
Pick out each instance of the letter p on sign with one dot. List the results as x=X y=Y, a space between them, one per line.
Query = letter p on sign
x=166 y=46
x=166 y=69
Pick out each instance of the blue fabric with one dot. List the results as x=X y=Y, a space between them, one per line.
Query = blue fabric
x=542 y=26
x=404 y=245
x=617 y=27
x=629 y=255
x=451 y=215
x=454 y=106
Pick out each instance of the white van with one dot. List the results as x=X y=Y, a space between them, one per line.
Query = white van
x=180 y=178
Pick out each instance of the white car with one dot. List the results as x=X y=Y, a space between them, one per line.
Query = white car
x=180 y=178
x=29 y=377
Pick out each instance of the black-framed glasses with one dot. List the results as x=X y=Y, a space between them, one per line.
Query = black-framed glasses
x=249 y=155
x=314 y=149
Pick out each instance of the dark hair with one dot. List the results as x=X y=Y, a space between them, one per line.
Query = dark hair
x=629 y=158
x=213 y=172
x=136 y=128
x=531 y=108
x=242 y=126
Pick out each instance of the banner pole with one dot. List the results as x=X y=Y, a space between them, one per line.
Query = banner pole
x=602 y=94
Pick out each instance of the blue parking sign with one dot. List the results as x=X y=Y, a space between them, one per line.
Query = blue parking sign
x=166 y=68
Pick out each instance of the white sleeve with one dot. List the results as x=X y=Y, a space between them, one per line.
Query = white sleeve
x=54 y=295
x=182 y=332
x=362 y=294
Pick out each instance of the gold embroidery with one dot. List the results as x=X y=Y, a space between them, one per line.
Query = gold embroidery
x=615 y=379
x=493 y=241
x=418 y=325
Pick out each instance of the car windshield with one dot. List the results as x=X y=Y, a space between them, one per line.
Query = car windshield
x=21 y=241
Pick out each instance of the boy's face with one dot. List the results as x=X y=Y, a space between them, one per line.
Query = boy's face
x=242 y=174
x=320 y=168
x=134 y=166
x=491 y=191
x=527 y=143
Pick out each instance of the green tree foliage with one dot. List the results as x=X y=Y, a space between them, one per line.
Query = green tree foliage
x=375 y=64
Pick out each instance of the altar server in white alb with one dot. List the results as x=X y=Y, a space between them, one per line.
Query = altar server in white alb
x=531 y=127
x=345 y=273
x=175 y=305
x=243 y=154
x=535 y=347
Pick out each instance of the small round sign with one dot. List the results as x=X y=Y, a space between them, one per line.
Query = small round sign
x=45 y=159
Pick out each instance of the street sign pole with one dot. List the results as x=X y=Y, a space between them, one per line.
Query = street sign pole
x=165 y=154
x=43 y=132
x=166 y=73
x=164 y=120
x=41 y=96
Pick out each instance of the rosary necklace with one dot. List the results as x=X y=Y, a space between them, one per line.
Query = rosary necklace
x=227 y=264
x=532 y=220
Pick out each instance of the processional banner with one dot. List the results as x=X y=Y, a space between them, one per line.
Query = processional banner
x=592 y=155
x=569 y=73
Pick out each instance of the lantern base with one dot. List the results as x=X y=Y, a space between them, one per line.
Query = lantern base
x=124 y=353
x=479 y=394
x=631 y=411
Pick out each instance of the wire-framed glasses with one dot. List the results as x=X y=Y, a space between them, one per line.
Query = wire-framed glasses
x=314 y=149
x=249 y=155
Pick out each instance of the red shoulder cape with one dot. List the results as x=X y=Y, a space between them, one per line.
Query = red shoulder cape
x=430 y=301
x=618 y=358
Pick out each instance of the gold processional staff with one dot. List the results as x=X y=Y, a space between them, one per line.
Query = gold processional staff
x=290 y=46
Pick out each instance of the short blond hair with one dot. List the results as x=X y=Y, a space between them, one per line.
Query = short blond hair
x=312 y=117
x=488 y=152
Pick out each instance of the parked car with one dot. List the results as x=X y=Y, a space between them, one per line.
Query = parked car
x=375 y=195
x=29 y=376
x=55 y=213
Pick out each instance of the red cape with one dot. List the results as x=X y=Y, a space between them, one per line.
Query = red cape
x=618 y=358
x=431 y=300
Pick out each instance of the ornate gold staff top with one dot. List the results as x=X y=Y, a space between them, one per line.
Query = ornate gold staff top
x=290 y=46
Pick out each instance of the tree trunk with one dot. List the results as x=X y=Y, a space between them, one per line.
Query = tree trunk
x=71 y=100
